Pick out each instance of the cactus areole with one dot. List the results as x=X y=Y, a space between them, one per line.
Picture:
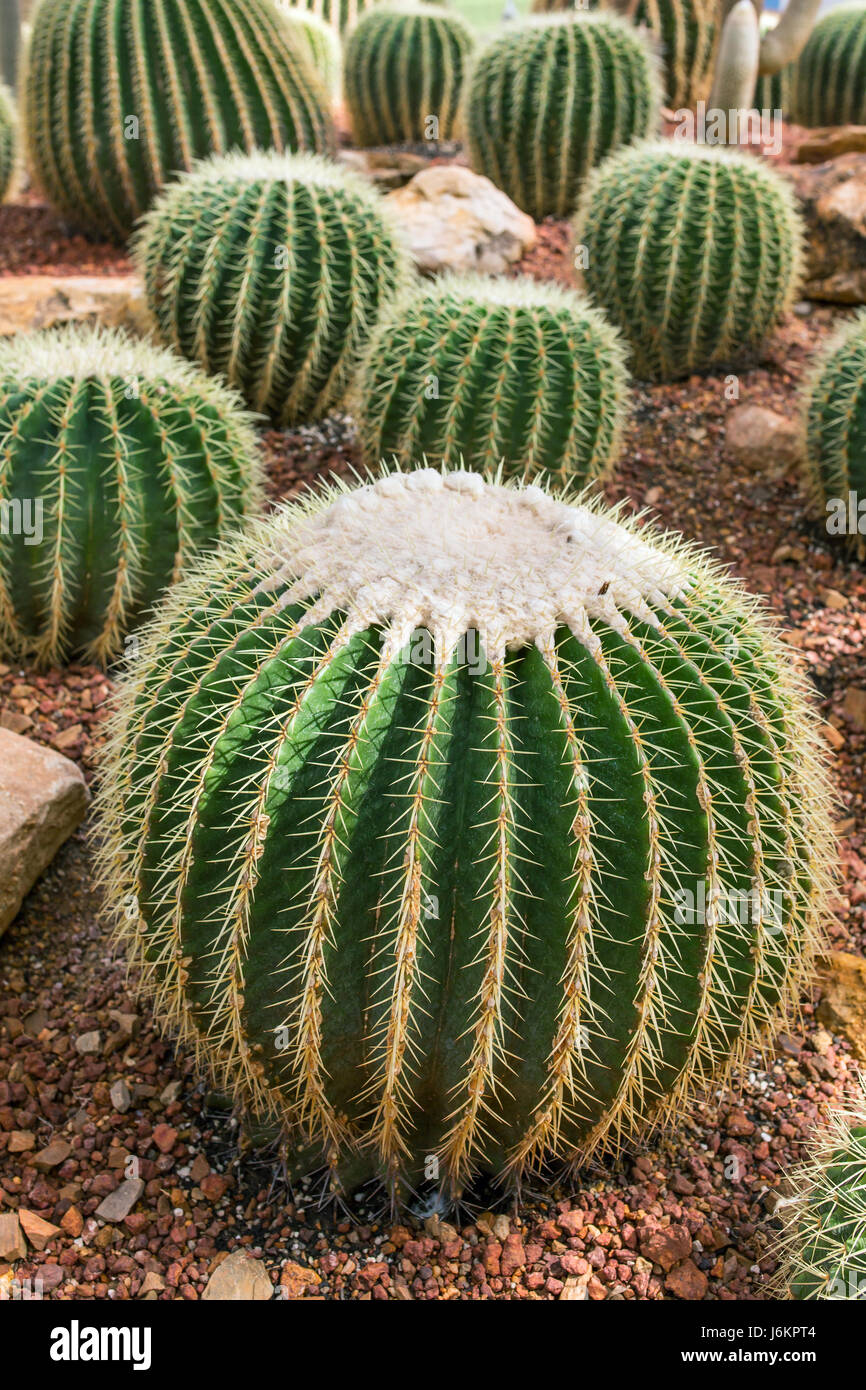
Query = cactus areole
x=463 y=828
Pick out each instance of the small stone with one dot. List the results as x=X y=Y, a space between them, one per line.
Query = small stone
x=38 y=1231
x=20 y=1140
x=165 y=1138
x=666 y=1246
x=121 y=1097
x=152 y=1283
x=854 y=707
x=52 y=1155
x=72 y=1222
x=119 y=1203
x=88 y=1044
x=687 y=1281
x=763 y=439
x=842 y=1007
x=574 y=1290
x=13 y=1246
x=295 y=1279
x=240 y=1278
x=170 y=1093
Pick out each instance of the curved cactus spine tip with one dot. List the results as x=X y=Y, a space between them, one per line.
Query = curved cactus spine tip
x=404 y=71
x=822 y=1246
x=271 y=270
x=480 y=371
x=695 y=252
x=449 y=820
x=831 y=70
x=549 y=99
x=154 y=87
x=8 y=139
x=118 y=465
x=835 y=426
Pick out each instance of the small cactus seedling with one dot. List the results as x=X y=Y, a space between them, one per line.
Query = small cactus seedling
x=485 y=371
x=118 y=465
x=120 y=96
x=319 y=40
x=694 y=252
x=549 y=99
x=835 y=403
x=461 y=828
x=822 y=1249
x=8 y=139
x=405 y=66
x=271 y=270
x=831 y=70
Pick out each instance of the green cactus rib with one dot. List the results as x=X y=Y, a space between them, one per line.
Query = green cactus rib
x=831 y=70
x=822 y=1247
x=835 y=410
x=549 y=99
x=776 y=91
x=136 y=462
x=319 y=40
x=405 y=64
x=694 y=252
x=121 y=95
x=480 y=371
x=271 y=270
x=408 y=800
x=341 y=15
x=8 y=139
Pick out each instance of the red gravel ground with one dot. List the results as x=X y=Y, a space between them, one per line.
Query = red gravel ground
x=86 y=1083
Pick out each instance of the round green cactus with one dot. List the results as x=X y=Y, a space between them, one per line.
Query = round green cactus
x=835 y=402
x=118 y=465
x=341 y=15
x=404 y=72
x=8 y=139
x=822 y=1249
x=481 y=371
x=271 y=270
x=831 y=70
x=319 y=40
x=457 y=826
x=119 y=96
x=549 y=99
x=694 y=252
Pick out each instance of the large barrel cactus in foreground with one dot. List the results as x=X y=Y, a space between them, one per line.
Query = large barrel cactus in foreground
x=8 y=139
x=462 y=828
x=479 y=371
x=694 y=252
x=823 y=1244
x=831 y=70
x=405 y=66
x=120 y=96
x=272 y=271
x=548 y=100
x=835 y=403
x=118 y=465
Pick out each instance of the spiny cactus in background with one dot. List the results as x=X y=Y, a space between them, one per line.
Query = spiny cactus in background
x=823 y=1244
x=121 y=96
x=118 y=465
x=776 y=91
x=475 y=370
x=319 y=40
x=8 y=140
x=694 y=252
x=835 y=404
x=831 y=72
x=341 y=15
x=404 y=71
x=688 y=32
x=550 y=98
x=447 y=819
x=271 y=270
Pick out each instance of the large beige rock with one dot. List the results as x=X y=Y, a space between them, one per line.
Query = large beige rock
x=452 y=219
x=826 y=142
x=30 y=302
x=239 y=1279
x=762 y=439
x=833 y=198
x=43 y=797
x=842 y=1007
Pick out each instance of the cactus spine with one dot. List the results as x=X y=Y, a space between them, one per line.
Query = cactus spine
x=823 y=1244
x=831 y=72
x=319 y=40
x=480 y=371
x=270 y=270
x=412 y=786
x=120 y=96
x=835 y=404
x=694 y=252
x=8 y=140
x=405 y=66
x=549 y=99
x=118 y=465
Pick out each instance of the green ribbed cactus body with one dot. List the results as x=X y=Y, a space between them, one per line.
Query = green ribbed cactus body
x=688 y=32
x=549 y=99
x=831 y=70
x=404 y=71
x=835 y=402
x=341 y=15
x=454 y=825
x=695 y=253
x=120 y=96
x=823 y=1246
x=119 y=465
x=479 y=371
x=8 y=139
x=777 y=91
x=271 y=270
x=319 y=40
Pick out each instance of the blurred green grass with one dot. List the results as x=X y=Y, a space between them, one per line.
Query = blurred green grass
x=486 y=14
